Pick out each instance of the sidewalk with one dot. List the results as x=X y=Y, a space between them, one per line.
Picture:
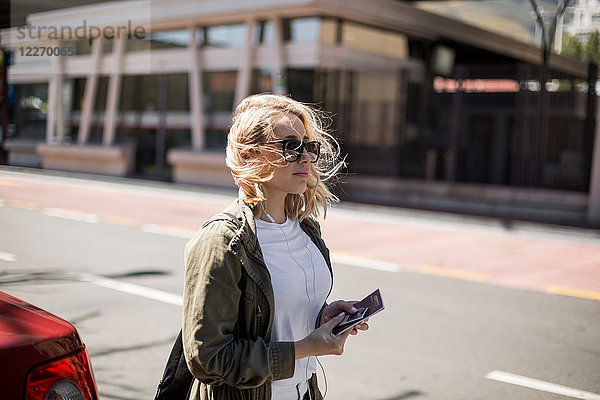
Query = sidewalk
x=528 y=256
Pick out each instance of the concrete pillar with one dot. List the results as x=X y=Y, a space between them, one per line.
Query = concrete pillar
x=91 y=85
x=55 y=123
x=558 y=34
x=279 y=80
x=60 y=111
x=114 y=91
x=195 y=93
x=594 y=196
x=244 y=75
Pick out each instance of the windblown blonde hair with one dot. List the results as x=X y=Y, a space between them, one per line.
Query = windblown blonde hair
x=254 y=124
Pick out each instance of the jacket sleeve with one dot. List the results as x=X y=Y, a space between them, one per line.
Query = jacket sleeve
x=214 y=354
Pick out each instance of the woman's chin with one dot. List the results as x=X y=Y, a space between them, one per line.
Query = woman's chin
x=298 y=190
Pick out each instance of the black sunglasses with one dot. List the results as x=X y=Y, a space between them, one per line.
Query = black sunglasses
x=293 y=149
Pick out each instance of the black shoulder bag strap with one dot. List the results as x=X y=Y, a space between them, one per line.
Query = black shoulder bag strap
x=177 y=380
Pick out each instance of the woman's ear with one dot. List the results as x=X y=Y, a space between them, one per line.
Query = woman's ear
x=253 y=152
x=250 y=153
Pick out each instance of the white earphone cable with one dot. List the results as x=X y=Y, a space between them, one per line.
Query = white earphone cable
x=305 y=285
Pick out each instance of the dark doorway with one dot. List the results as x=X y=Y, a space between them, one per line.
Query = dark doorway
x=477 y=150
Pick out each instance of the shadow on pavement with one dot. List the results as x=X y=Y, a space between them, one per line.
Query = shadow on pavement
x=143 y=346
x=26 y=276
x=132 y=274
x=406 y=395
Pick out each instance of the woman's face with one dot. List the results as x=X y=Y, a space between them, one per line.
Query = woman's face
x=288 y=177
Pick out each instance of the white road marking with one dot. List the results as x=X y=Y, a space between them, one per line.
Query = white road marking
x=4 y=256
x=361 y=262
x=68 y=214
x=134 y=289
x=541 y=385
x=168 y=231
x=176 y=300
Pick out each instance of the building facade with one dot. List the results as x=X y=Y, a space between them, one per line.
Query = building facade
x=584 y=19
x=431 y=112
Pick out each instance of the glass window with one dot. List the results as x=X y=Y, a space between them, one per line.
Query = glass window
x=139 y=93
x=178 y=138
x=154 y=108
x=262 y=81
x=365 y=116
x=375 y=96
x=78 y=93
x=142 y=92
x=135 y=44
x=101 y=93
x=81 y=47
x=200 y=33
x=413 y=101
x=77 y=104
x=303 y=30
x=84 y=47
x=312 y=30
x=219 y=94
x=96 y=134
x=364 y=38
x=177 y=38
x=107 y=46
x=129 y=88
x=148 y=92
x=300 y=83
x=31 y=110
x=219 y=89
x=225 y=35
x=263 y=33
x=178 y=95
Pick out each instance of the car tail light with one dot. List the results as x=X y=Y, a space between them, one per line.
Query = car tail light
x=70 y=378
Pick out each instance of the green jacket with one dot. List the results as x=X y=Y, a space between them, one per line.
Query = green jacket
x=228 y=310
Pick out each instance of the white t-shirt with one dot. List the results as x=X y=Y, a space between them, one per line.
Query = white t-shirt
x=301 y=282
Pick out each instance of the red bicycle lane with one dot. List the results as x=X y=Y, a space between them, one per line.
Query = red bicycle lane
x=505 y=258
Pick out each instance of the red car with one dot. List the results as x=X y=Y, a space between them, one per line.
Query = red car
x=41 y=355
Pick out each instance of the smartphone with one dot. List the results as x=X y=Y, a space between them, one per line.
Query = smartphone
x=351 y=320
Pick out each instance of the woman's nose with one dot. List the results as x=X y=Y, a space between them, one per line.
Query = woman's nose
x=304 y=157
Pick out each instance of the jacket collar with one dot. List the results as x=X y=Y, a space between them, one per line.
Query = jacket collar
x=246 y=232
x=246 y=227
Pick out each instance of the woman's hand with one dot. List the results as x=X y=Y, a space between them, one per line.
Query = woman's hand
x=347 y=307
x=323 y=341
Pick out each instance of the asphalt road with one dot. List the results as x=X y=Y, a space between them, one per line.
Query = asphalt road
x=439 y=337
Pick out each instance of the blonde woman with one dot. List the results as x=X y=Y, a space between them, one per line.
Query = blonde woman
x=258 y=274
